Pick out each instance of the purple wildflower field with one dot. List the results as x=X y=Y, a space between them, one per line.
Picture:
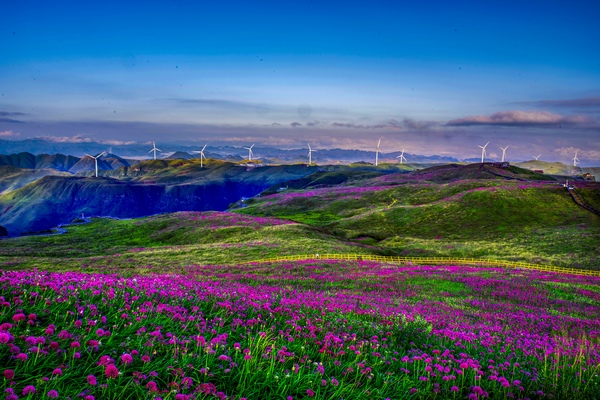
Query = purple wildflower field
x=307 y=329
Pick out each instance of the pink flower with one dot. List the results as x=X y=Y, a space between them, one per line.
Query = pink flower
x=111 y=371
x=145 y=359
x=310 y=393
x=91 y=380
x=9 y=374
x=28 y=390
x=22 y=357
x=151 y=386
x=53 y=394
x=75 y=344
x=57 y=371
x=18 y=317
x=126 y=359
x=454 y=389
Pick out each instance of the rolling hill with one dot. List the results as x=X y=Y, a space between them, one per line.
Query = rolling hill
x=458 y=211
x=152 y=187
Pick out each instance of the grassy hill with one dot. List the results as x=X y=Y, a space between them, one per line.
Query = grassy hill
x=169 y=240
x=453 y=210
x=436 y=212
x=151 y=187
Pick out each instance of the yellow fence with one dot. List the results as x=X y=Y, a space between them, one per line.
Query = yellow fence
x=432 y=261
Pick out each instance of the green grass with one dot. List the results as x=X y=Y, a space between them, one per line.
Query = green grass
x=491 y=218
x=171 y=240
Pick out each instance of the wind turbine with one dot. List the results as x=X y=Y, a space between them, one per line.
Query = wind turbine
x=310 y=155
x=250 y=153
x=483 y=153
x=575 y=159
x=377 y=152
x=536 y=158
x=154 y=149
x=96 y=161
x=503 y=152
x=401 y=157
x=202 y=155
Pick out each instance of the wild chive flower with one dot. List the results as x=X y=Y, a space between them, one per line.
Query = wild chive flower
x=145 y=359
x=28 y=390
x=18 y=317
x=22 y=357
x=53 y=394
x=9 y=374
x=111 y=371
x=91 y=380
x=151 y=386
x=126 y=359
x=57 y=371
x=310 y=392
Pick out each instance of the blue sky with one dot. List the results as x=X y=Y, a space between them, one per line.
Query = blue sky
x=433 y=78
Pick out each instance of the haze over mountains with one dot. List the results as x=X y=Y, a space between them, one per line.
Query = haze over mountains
x=79 y=146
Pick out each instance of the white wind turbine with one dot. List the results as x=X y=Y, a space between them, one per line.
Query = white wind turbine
x=250 y=153
x=310 y=155
x=202 y=156
x=401 y=156
x=96 y=161
x=377 y=152
x=536 y=158
x=483 y=153
x=154 y=149
x=575 y=159
x=503 y=152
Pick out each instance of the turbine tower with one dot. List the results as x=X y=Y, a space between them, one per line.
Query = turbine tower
x=536 y=158
x=250 y=153
x=96 y=161
x=154 y=149
x=483 y=153
x=310 y=155
x=503 y=152
x=377 y=152
x=202 y=156
x=401 y=156
x=575 y=159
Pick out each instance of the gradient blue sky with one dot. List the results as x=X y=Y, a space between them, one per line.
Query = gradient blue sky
x=432 y=78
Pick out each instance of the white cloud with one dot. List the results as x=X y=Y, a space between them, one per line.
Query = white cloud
x=9 y=134
x=520 y=118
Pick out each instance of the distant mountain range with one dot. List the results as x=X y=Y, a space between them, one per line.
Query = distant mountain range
x=274 y=155
x=40 y=191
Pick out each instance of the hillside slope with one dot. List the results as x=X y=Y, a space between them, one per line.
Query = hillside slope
x=174 y=186
x=169 y=240
x=435 y=212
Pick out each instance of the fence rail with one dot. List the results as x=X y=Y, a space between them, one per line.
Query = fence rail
x=431 y=261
